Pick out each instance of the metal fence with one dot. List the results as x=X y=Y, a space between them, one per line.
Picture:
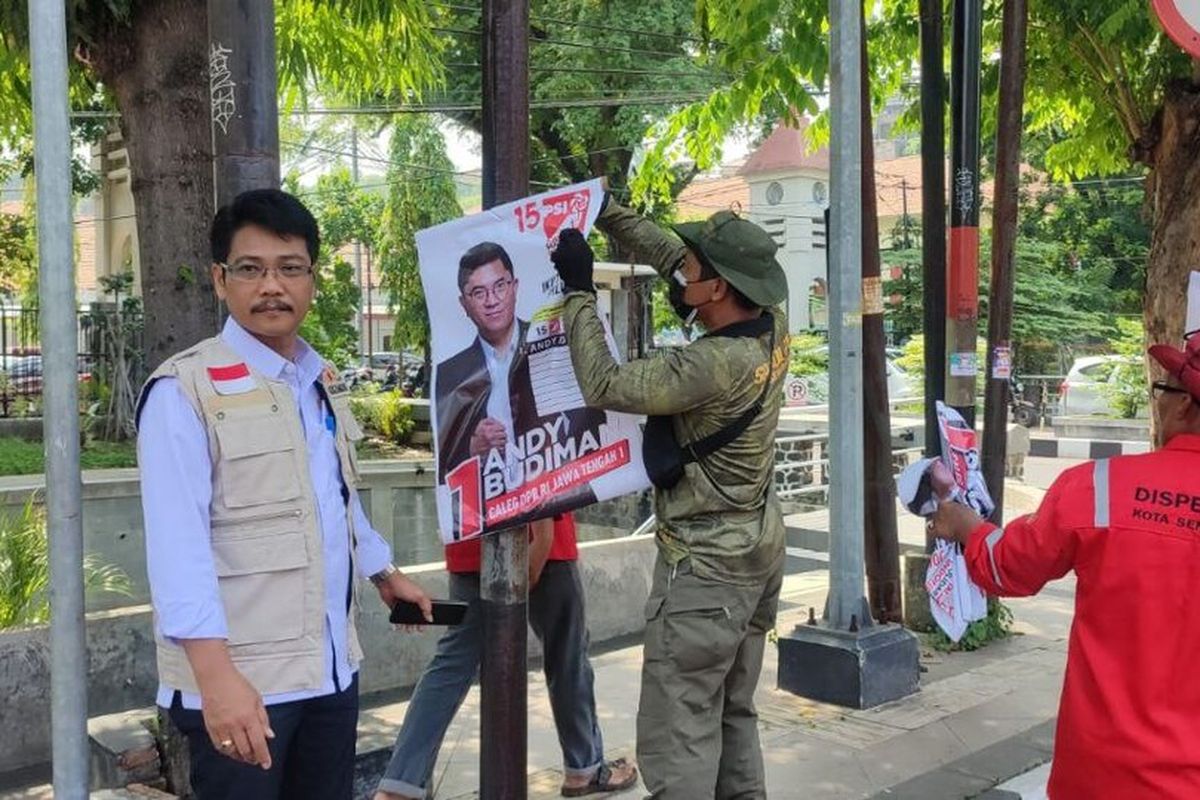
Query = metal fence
x=97 y=328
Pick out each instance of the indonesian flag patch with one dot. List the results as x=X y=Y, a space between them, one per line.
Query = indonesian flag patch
x=233 y=379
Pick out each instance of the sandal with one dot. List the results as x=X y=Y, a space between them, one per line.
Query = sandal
x=602 y=781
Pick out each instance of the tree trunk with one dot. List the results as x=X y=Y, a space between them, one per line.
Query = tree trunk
x=157 y=70
x=881 y=537
x=1004 y=237
x=1173 y=198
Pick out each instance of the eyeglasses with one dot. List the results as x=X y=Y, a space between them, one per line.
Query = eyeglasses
x=1159 y=386
x=499 y=290
x=249 y=272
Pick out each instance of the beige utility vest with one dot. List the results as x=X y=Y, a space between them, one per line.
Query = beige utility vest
x=266 y=534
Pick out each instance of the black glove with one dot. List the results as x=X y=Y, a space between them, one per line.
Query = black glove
x=573 y=258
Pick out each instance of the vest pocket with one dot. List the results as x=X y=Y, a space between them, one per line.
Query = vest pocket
x=258 y=463
x=261 y=580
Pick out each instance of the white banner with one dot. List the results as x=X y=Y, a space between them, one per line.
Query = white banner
x=533 y=449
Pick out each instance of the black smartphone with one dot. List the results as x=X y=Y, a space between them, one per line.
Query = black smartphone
x=445 y=612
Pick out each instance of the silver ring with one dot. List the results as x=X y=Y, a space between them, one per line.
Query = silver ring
x=226 y=745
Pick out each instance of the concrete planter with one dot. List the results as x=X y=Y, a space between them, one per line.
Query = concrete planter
x=121 y=665
x=1102 y=428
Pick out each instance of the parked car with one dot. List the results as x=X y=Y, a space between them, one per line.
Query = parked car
x=1084 y=391
x=24 y=373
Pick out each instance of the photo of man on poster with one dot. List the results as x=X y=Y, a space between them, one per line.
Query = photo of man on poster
x=514 y=439
x=475 y=417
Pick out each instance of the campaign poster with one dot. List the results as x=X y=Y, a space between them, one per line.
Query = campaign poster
x=513 y=439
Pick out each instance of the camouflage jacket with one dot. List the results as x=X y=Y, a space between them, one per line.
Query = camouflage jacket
x=723 y=514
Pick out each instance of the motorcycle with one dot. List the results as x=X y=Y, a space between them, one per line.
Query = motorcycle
x=1025 y=413
x=414 y=380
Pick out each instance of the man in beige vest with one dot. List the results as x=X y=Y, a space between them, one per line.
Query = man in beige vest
x=255 y=538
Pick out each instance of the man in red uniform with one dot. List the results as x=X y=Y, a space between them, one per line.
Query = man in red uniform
x=1129 y=718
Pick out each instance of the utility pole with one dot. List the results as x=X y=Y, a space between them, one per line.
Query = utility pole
x=1004 y=235
x=933 y=216
x=882 y=542
x=369 y=315
x=358 y=270
x=846 y=658
x=64 y=489
x=504 y=580
x=962 y=321
x=245 y=117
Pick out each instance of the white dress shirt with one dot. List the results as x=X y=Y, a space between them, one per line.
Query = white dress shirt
x=499 y=364
x=176 y=477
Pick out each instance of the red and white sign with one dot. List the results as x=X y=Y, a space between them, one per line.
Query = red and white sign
x=1181 y=20
x=795 y=391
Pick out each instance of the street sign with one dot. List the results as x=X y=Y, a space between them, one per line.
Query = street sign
x=1181 y=20
x=795 y=389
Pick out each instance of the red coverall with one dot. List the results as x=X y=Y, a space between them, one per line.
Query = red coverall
x=1129 y=718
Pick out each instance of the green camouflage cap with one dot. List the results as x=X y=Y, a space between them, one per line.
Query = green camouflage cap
x=740 y=252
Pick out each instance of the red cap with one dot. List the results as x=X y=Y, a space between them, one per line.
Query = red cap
x=1184 y=364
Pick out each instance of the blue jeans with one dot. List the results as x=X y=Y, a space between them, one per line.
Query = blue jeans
x=556 y=616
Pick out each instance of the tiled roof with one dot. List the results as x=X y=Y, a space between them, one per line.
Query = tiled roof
x=786 y=149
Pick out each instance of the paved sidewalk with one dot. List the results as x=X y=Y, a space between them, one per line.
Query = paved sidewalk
x=968 y=703
x=979 y=719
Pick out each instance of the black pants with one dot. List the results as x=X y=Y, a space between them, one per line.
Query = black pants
x=312 y=754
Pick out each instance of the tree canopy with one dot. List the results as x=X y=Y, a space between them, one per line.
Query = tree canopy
x=420 y=193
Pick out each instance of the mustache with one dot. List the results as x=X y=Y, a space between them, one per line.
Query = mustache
x=271 y=305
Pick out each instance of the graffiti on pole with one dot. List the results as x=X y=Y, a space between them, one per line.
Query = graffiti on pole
x=221 y=86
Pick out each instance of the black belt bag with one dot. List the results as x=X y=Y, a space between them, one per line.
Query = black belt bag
x=665 y=458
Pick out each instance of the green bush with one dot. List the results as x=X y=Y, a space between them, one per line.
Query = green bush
x=365 y=407
x=387 y=415
x=25 y=569
x=808 y=356
x=995 y=626
x=396 y=418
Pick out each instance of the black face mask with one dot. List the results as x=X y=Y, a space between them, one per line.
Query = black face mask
x=675 y=290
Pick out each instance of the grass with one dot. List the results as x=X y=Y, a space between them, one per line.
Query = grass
x=21 y=457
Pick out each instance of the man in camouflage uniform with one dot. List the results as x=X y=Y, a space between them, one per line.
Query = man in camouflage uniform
x=720 y=530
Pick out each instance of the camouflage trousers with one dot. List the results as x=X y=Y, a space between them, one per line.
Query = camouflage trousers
x=697 y=728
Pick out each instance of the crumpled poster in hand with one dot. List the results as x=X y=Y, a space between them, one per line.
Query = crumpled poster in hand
x=954 y=599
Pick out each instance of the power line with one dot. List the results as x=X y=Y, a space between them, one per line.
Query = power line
x=387 y=161
x=596 y=26
x=607 y=47
x=451 y=108
x=615 y=29
x=604 y=71
x=434 y=108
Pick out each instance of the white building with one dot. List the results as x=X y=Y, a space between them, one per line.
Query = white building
x=789 y=194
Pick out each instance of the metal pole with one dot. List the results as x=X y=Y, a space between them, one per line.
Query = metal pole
x=933 y=216
x=504 y=581
x=1004 y=235
x=962 y=321
x=846 y=602
x=358 y=269
x=245 y=116
x=370 y=316
x=56 y=292
x=882 y=542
